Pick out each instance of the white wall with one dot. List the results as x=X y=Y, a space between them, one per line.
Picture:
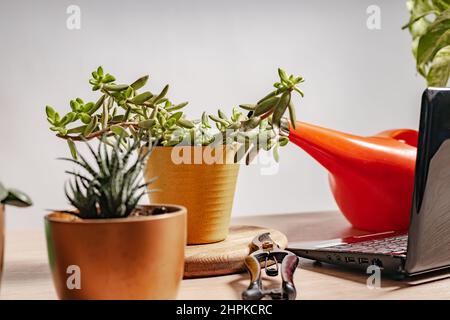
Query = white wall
x=213 y=53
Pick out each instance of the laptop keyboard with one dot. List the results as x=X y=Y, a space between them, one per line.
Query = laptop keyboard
x=393 y=245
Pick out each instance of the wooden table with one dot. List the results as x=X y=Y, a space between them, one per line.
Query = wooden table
x=26 y=274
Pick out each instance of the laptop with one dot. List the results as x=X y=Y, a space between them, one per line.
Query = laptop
x=425 y=247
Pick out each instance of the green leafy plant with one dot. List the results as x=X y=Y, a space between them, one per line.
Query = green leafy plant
x=112 y=187
x=260 y=128
x=14 y=197
x=429 y=26
x=123 y=110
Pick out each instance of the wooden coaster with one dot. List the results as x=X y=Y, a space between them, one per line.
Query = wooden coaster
x=225 y=257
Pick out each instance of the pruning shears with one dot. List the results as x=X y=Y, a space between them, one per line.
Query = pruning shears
x=266 y=253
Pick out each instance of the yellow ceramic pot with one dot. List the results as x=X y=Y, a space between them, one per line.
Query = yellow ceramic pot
x=126 y=258
x=2 y=237
x=197 y=179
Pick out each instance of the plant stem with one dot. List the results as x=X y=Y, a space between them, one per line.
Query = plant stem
x=97 y=133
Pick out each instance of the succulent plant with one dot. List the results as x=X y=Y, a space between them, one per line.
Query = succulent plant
x=429 y=26
x=123 y=111
x=259 y=129
x=14 y=197
x=112 y=187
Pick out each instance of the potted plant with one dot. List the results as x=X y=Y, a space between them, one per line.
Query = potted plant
x=429 y=25
x=10 y=197
x=110 y=247
x=197 y=164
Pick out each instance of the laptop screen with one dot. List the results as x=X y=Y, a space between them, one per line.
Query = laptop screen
x=429 y=233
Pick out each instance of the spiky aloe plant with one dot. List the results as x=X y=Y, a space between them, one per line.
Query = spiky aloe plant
x=112 y=187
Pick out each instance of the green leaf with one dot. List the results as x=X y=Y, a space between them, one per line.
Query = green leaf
x=280 y=108
x=249 y=107
x=17 y=198
x=222 y=114
x=75 y=106
x=177 y=115
x=283 y=75
x=119 y=131
x=413 y=19
x=252 y=123
x=437 y=37
x=266 y=106
x=108 y=78
x=177 y=107
x=276 y=154
x=100 y=71
x=147 y=124
x=205 y=121
x=88 y=106
x=72 y=148
x=60 y=130
x=161 y=118
x=270 y=95
x=141 y=98
x=139 y=83
x=292 y=115
x=162 y=94
x=50 y=113
x=439 y=71
x=78 y=129
x=283 y=141
x=97 y=105
x=90 y=127
x=129 y=92
x=127 y=114
x=85 y=118
x=170 y=123
x=185 y=123
x=218 y=120
x=67 y=119
x=299 y=91
x=115 y=87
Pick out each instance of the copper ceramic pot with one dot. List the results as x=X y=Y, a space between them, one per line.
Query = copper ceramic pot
x=2 y=237
x=204 y=186
x=125 y=258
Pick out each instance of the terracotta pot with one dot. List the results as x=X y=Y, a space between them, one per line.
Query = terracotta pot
x=2 y=237
x=206 y=189
x=131 y=258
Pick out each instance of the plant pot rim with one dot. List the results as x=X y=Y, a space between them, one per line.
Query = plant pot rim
x=63 y=217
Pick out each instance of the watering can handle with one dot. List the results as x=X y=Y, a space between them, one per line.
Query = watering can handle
x=407 y=136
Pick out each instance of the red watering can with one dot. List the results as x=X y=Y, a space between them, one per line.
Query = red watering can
x=371 y=178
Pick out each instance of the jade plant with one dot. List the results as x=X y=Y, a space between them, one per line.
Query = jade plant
x=14 y=197
x=110 y=188
x=127 y=111
x=429 y=26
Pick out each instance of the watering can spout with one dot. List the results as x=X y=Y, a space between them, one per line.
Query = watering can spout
x=371 y=177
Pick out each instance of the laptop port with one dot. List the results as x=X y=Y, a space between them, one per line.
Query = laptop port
x=363 y=261
x=350 y=260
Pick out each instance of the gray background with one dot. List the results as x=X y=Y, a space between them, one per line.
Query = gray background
x=213 y=53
